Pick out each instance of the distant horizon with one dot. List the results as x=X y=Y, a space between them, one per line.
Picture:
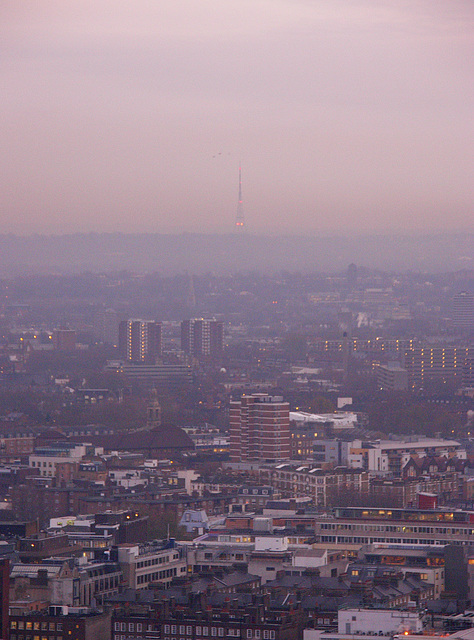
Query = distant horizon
x=250 y=234
x=233 y=252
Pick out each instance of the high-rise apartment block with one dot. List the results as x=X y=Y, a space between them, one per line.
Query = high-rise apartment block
x=140 y=340
x=259 y=428
x=463 y=311
x=200 y=337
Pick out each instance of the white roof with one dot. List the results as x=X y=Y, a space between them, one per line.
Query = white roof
x=344 y=418
x=427 y=443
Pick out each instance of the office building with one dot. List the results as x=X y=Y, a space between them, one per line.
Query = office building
x=169 y=376
x=106 y=326
x=392 y=526
x=140 y=340
x=200 y=337
x=259 y=428
x=152 y=562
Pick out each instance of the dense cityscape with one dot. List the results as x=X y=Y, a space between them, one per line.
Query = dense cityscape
x=236 y=320
x=249 y=456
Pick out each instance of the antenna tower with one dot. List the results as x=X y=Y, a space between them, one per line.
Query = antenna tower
x=239 y=218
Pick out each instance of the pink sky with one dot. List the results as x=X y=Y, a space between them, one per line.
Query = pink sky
x=132 y=116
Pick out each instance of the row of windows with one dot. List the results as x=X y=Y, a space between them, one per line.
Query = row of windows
x=216 y=632
x=158 y=575
x=122 y=626
x=132 y=627
x=363 y=540
x=36 y=626
x=395 y=529
x=159 y=560
x=13 y=636
x=105 y=585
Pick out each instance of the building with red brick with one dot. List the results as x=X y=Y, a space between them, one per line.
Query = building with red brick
x=259 y=428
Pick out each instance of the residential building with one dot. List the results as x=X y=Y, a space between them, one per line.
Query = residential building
x=325 y=488
x=200 y=616
x=202 y=337
x=60 y=622
x=140 y=340
x=440 y=364
x=463 y=311
x=259 y=428
x=392 y=377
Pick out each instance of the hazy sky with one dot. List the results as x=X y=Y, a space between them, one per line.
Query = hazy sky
x=132 y=115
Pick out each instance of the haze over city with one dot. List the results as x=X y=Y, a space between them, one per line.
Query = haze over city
x=134 y=116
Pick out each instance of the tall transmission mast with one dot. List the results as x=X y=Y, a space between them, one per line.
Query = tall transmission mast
x=239 y=218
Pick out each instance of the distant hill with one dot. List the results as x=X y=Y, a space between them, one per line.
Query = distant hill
x=222 y=254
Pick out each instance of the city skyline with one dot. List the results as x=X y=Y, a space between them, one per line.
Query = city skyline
x=124 y=117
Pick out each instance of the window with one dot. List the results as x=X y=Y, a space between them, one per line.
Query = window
x=249 y=633
x=213 y=631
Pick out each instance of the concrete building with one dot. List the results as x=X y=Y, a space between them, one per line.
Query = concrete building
x=152 y=562
x=392 y=377
x=417 y=527
x=439 y=364
x=202 y=337
x=463 y=311
x=140 y=340
x=156 y=375
x=259 y=428
x=45 y=459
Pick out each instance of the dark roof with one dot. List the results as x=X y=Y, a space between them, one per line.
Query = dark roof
x=164 y=437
